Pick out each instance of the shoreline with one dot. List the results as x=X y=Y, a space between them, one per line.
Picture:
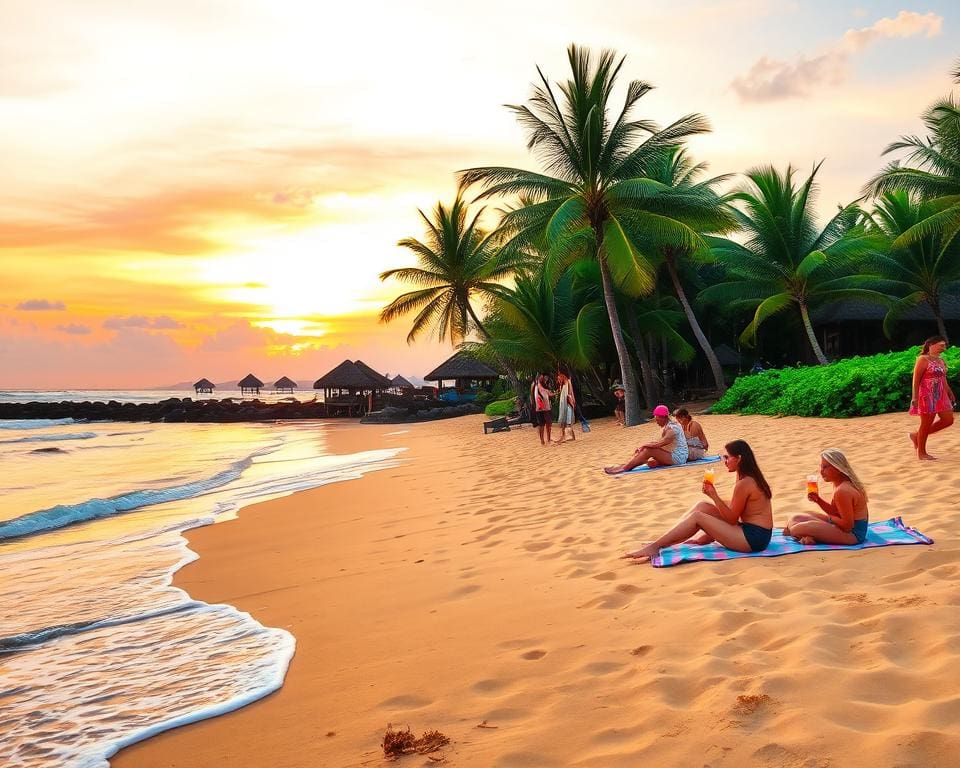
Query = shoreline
x=479 y=581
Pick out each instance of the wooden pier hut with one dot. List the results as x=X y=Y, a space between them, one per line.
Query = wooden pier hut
x=203 y=387
x=249 y=385
x=351 y=388
x=401 y=386
x=285 y=385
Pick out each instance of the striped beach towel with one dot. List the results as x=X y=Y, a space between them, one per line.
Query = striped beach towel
x=886 y=534
x=645 y=468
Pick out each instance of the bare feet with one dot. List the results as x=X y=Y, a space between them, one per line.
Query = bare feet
x=613 y=470
x=644 y=554
x=926 y=457
x=807 y=540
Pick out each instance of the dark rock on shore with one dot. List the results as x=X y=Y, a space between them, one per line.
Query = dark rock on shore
x=392 y=414
x=180 y=410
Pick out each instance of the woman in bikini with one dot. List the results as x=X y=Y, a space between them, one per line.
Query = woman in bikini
x=743 y=524
x=696 y=439
x=846 y=518
x=931 y=399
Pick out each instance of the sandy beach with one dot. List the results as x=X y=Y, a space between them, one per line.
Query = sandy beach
x=480 y=583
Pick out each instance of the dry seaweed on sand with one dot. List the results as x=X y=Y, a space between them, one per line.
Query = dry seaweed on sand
x=398 y=743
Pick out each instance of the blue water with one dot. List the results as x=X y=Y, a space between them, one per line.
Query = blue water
x=97 y=649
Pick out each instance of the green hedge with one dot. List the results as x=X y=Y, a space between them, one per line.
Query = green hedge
x=499 y=408
x=857 y=386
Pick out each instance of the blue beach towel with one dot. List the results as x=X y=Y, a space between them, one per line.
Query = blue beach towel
x=645 y=468
x=885 y=534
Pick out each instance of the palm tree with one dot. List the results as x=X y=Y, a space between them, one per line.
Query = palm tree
x=700 y=207
x=593 y=200
x=934 y=175
x=456 y=263
x=923 y=271
x=787 y=261
x=538 y=323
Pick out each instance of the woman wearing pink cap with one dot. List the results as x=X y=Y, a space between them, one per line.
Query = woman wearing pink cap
x=671 y=448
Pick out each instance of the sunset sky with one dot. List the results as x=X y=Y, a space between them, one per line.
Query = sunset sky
x=197 y=188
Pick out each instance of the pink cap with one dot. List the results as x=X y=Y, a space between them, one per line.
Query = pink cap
x=661 y=410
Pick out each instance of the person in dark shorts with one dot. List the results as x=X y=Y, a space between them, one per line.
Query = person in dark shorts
x=541 y=400
x=743 y=524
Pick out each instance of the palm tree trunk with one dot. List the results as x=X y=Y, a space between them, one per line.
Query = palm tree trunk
x=631 y=402
x=656 y=394
x=811 y=336
x=698 y=333
x=941 y=326
x=645 y=375
x=511 y=373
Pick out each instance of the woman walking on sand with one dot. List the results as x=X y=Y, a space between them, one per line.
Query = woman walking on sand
x=566 y=404
x=743 y=524
x=931 y=399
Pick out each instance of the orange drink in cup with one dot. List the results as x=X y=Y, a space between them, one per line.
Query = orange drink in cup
x=709 y=476
x=812 y=486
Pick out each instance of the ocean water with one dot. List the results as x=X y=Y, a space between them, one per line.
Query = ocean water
x=97 y=649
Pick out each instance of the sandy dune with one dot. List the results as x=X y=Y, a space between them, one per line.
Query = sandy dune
x=480 y=581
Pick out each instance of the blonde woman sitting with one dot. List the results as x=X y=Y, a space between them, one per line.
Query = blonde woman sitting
x=845 y=517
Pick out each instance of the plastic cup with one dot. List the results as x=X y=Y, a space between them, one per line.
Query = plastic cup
x=812 y=484
x=709 y=476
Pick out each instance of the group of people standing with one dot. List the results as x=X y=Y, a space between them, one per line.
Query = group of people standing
x=541 y=395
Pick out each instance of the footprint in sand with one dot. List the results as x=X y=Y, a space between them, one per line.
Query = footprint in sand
x=537 y=546
x=489 y=686
x=405 y=701
x=606 y=576
x=533 y=655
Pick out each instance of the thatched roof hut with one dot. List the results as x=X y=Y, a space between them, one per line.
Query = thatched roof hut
x=250 y=384
x=726 y=355
x=400 y=384
x=382 y=380
x=285 y=384
x=351 y=378
x=461 y=368
x=203 y=387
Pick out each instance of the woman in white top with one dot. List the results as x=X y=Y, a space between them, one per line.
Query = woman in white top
x=566 y=407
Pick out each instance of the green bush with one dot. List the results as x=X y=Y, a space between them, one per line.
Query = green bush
x=857 y=386
x=499 y=408
x=484 y=398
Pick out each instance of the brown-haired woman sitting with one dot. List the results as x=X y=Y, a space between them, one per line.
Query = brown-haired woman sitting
x=744 y=524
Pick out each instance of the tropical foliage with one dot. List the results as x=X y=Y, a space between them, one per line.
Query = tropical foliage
x=787 y=260
x=594 y=198
x=856 y=386
x=922 y=270
x=619 y=259
x=456 y=264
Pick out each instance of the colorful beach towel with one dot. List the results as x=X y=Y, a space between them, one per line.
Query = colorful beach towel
x=645 y=468
x=886 y=534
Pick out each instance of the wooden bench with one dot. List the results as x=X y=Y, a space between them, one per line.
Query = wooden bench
x=497 y=425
